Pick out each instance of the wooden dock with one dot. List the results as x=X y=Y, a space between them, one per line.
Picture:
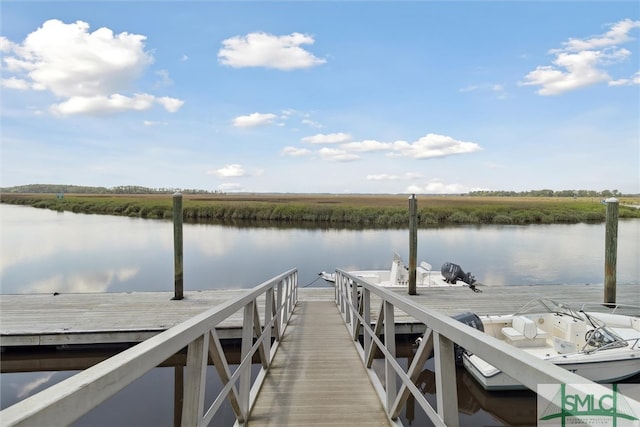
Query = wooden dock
x=95 y=318
x=317 y=374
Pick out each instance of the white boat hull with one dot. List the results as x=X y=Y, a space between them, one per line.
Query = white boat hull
x=605 y=372
x=601 y=347
x=398 y=276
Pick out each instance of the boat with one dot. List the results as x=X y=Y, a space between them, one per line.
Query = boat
x=597 y=342
x=398 y=275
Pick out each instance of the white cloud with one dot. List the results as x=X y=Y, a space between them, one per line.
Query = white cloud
x=582 y=62
x=228 y=171
x=170 y=104
x=618 y=34
x=311 y=123
x=430 y=145
x=337 y=155
x=14 y=83
x=270 y=51
x=433 y=145
x=635 y=80
x=367 y=146
x=331 y=138
x=254 y=119
x=295 y=152
x=89 y=70
x=116 y=103
x=438 y=187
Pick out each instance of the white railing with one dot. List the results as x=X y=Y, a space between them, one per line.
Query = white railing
x=353 y=297
x=65 y=402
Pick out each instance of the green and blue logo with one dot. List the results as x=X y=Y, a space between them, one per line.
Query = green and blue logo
x=566 y=405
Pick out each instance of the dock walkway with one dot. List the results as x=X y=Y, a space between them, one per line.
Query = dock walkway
x=316 y=375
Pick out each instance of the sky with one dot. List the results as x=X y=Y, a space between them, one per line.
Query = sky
x=422 y=97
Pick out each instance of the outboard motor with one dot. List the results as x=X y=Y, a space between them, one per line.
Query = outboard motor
x=453 y=272
x=469 y=319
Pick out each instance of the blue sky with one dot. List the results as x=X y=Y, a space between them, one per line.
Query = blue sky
x=310 y=97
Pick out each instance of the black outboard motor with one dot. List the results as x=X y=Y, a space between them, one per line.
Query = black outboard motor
x=469 y=319
x=452 y=272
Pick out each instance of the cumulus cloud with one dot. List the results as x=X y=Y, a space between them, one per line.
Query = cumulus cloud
x=433 y=145
x=268 y=50
x=229 y=171
x=91 y=71
x=337 y=155
x=367 y=146
x=583 y=62
x=429 y=146
x=254 y=119
x=331 y=138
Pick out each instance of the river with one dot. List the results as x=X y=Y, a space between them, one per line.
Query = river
x=45 y=251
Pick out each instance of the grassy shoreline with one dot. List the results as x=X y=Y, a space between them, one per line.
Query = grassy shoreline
x=353 y=210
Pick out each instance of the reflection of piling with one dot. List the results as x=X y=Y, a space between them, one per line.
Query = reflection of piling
x=610 y=250
x=413 y=242
x=177 y=245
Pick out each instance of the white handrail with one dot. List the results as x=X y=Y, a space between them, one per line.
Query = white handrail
x=65 y=402
x=353 y=298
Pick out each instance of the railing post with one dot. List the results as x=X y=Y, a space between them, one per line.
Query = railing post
x=177 y=246
x=279 y=312
x=193 y=404
x=446 y=391
x=247 y=343
x=390 y=344
x=610 y=252
x=413 y=243
x=268 y=313
x=366 y=315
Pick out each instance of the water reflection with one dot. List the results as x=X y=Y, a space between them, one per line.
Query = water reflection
x=47 y=251
x=159 y=389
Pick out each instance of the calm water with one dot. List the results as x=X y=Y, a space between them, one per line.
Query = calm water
x=46 y=251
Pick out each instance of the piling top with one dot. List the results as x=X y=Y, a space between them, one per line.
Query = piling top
x=177 y=194
x=611 y=200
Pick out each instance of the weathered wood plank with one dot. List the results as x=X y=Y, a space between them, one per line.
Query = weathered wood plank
x=317 y=375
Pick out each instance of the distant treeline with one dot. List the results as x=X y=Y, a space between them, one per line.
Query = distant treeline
x=136 y=189
x=549 y=193
x=81 y=189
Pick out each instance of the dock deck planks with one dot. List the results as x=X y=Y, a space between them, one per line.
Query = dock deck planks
x=46 y=319
x=317 y=376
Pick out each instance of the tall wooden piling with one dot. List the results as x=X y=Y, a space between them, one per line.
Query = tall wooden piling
x=610 y=250
x=413 y=242
x=177 y=246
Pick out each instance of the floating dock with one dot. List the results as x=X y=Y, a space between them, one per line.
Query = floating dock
x=107 y=318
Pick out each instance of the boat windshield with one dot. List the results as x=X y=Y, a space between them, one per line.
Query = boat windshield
x=548 y=306
x=601 y=337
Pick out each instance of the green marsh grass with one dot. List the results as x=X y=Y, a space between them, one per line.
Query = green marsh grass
x=336 y=210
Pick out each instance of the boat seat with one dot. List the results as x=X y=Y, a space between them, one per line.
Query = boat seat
x=423 y=272
x=524 y=332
